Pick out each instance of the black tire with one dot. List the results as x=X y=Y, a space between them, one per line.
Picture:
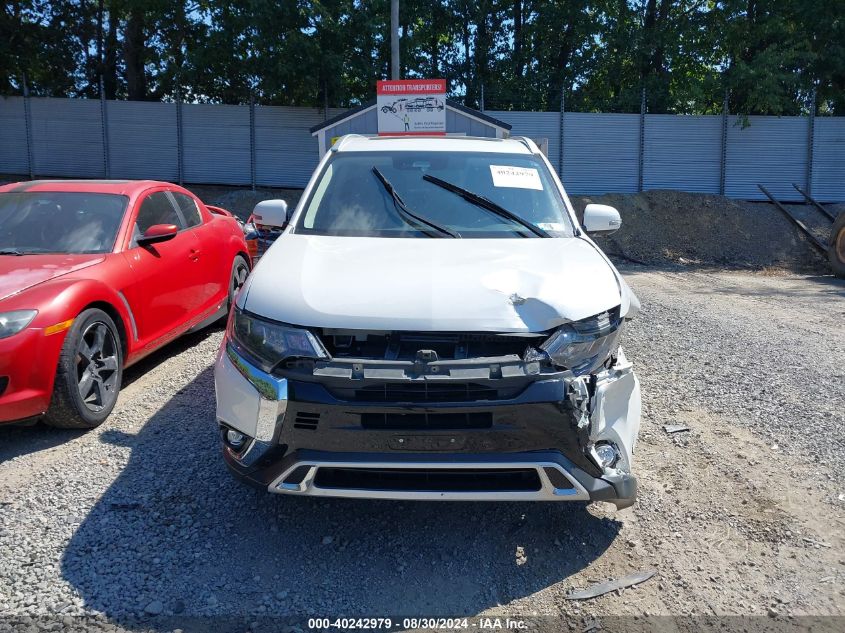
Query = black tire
x=836 y=250
x=240 y=271
x=89 y=373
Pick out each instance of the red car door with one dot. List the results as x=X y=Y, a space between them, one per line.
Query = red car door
x=168 y=287
x=214 y=270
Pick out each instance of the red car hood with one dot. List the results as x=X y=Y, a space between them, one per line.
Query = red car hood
x=17 y=273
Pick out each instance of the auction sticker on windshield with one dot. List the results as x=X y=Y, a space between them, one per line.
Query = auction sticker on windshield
x=516 y=177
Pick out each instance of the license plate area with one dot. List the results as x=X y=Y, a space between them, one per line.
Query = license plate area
x=423 y=443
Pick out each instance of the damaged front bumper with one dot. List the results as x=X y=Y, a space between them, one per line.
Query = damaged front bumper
x=411 y=431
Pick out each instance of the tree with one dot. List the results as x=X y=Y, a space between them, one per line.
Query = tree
x=34 y=44
x=770 y=55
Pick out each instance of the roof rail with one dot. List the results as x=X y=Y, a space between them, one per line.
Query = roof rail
x=343 y=140
x=531 y=145
x=456 y=137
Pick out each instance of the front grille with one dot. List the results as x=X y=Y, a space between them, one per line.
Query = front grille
x=429 y=479
x=400 y=345
x=425 y=391
x=426 y=421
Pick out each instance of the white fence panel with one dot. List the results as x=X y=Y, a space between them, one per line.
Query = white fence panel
x=67 y=137
x=682 y=152
x=829 y=159
x=143 y=142
x=13 y=155
x=216 y=146
x=771 y=151
x=535 y=125
x=601 y=152
x=285 y=152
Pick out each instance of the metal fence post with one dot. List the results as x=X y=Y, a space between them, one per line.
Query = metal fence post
x=811 y=130
x=179 y=140
x=104 y=121
x=560 y=134
x=642 y=142
x=252 y=139
x=724 y=153
x=27 y=116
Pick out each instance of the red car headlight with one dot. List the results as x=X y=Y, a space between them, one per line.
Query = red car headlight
x=14 y=321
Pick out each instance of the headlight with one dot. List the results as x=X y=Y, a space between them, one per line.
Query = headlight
x=582 y=346
x=268 y=343
x=14 y=321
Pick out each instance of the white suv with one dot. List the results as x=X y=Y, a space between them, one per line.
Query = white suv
x=432 y=323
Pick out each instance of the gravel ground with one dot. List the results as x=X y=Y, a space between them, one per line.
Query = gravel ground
x=138 y=525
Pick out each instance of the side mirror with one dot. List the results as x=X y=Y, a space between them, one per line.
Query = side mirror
x=158 y=233
x=601 y=219
x=272 y=213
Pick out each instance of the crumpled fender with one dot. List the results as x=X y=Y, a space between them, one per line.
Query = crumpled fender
x=630 y=303
x=611 y=413
x=616 y=409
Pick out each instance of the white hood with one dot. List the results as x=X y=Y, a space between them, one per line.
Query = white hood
x=421 y=284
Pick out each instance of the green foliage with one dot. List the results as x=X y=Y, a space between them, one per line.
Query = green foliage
x=598 y=55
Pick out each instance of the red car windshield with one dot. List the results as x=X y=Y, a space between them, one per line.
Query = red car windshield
x=59 y=221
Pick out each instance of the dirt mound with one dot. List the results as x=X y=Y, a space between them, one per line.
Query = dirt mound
x=241 y=201
x=690 y=228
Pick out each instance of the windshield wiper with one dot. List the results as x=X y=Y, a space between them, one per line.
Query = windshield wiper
x=485 y=203
x=406 y=213
x=11 y=251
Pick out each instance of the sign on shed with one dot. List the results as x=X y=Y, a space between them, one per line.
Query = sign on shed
x=411 y=106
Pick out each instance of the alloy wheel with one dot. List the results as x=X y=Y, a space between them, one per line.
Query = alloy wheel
x=239 y=278
x=97 y=366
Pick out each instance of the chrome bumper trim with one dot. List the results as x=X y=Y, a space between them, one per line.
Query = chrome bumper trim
x=547 y=491
x=272 y=393
x=255 y=450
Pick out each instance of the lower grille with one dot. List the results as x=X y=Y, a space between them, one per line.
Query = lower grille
x=4 y=382
x=306 y=420
x=436 y=479
x=426 y=421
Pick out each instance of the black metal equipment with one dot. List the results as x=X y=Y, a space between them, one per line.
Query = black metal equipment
x=812 y=201
x=821 y=246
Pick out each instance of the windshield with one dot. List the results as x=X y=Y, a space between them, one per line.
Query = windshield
x=59 y=222
x=351 y=199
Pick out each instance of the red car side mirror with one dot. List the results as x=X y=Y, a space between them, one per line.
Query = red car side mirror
x=158 y=233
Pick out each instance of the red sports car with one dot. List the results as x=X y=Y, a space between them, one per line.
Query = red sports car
x=95 y=275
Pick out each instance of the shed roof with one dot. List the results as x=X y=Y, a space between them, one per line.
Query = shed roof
x=454 y=105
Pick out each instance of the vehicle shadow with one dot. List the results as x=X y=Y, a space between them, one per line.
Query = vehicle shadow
x=176 y=533
x=17 y=440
